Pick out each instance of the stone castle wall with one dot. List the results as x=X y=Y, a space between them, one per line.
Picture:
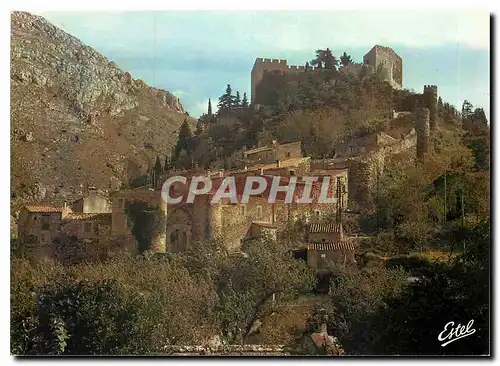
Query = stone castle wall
x=378 y=56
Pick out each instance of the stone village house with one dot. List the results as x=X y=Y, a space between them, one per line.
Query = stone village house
x=182 y=224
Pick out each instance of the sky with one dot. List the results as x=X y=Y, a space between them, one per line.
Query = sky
x=195 y=55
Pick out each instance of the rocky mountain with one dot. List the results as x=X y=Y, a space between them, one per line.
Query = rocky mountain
x=77 y=119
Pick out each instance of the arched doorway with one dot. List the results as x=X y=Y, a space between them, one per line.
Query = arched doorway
x=179 y=231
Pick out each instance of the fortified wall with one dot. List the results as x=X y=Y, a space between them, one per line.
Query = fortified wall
x=378 y=57
x=262 y=65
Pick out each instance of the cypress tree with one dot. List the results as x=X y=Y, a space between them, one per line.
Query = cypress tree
x=157 y=172
x=184 y=141
x=209 y=107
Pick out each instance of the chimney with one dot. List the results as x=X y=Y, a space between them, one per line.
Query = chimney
x=221 y=173
x=246 y=168
x=278 y=163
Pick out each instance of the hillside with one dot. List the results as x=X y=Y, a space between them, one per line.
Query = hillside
x=76 y=118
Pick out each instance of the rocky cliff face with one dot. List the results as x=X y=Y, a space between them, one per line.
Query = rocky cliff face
x=76 y=118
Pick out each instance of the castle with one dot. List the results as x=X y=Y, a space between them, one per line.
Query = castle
x=378 y=58
x=352 y=174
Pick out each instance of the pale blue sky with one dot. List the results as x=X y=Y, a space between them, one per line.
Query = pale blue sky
x=195 y=54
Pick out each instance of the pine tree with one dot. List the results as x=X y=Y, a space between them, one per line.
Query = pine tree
x=237 y=100
x=244 y=102
x=226 y=101
x=209 y=107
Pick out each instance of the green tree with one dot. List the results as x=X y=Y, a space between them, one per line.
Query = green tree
x=156 y=172
x=226 y=101
x=467 y=109
x=237 y=100
x=209 y=107
x=244 y=101
x=457 y=291
x=325 y=59
x=249 y=282
x=185 y=139
x=346 y=59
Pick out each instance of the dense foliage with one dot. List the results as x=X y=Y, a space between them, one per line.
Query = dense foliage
x=138 y=305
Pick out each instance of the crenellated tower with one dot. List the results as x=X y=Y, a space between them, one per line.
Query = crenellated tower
x=261 y=65
x=430 y=100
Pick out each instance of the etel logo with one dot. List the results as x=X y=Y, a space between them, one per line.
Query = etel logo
x=452 y=334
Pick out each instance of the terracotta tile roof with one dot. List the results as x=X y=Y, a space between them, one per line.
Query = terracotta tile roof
x=45 y=208
x=79 y=216
x=330 y=227
x=341 y=245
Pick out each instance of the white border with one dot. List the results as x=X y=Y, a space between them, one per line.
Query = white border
x=53 y=5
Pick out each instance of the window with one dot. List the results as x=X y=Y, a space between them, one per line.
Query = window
x=45 y=222
x=259 y=212
x=87 y=227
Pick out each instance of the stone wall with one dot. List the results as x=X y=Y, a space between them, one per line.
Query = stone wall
x=93 y=203
x=315 y=259
x=237 y=218
x=120 y=222
x=287 y=151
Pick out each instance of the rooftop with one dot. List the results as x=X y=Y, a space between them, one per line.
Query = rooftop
x=340 y=245
x=45 y=209
x=331 y=227
x=101 y=217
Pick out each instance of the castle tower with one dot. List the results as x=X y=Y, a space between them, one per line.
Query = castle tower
x=430 y=101
x=389 y=61
x=258 y=69
x=422 y=130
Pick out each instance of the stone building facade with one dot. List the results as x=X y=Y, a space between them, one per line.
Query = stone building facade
x=273 y=152
x=92 y=203
x=326 y=245
x=47 y=224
